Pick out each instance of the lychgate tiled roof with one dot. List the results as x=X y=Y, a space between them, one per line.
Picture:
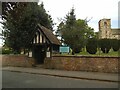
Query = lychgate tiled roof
x=49 y=35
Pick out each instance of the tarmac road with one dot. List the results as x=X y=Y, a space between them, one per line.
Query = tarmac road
x=27 y=80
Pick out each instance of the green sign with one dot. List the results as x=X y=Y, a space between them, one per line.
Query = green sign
x=64 y=49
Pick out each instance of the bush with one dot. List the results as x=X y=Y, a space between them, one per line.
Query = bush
x=119 y=44
x=91 y=46
x=6 y=51
x=115 y=44
x=77 y=49
x=105 y=45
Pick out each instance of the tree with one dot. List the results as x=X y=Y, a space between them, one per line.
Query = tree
x=105 y=45
x=96 y=35
x=115 y=44
x=20 y=22
x=89 y=32
x=70 y=31
x=91 y=46
x=59 y=31
x=119 y=44
x=74 y=32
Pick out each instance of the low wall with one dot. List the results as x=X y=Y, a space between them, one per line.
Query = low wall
x=72 y=63
x=83 y=63
x=17 y=60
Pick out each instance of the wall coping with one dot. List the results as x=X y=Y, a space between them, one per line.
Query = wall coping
x=69 y=56
x=19 y=55
x=13 y=55
x=85 y=56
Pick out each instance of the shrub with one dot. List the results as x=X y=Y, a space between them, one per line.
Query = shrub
x=119 y=44
x=77 y=50
x=6 y=51
x=115 y=44
x=91 y=46
x=105 y=45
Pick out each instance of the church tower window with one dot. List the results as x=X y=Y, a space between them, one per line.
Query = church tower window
x=105 y=24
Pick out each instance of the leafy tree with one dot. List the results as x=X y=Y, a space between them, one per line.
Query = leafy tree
x=7 y=8
x=119 y=44
x=91 y=46
x=115 y=44
x=105 y=45
x=20 y=23
x=74 y=32
x=96 y=35
x=89 y=32
x=59 y=31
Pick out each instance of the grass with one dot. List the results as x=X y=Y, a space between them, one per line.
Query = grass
x=99 y=53
x=111 y=53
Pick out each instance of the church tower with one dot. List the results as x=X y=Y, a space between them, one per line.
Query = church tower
x=104 y=28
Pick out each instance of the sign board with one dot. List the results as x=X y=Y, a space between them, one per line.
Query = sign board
x=64 y=49
x=48 y=54
x=30 y=54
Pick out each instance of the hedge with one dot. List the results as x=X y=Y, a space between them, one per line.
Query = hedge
x=115 y=44
x=105 y=45
x=91 y=46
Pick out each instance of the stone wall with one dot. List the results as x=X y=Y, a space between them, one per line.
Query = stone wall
x=17 y=60
x=73 y=63
x=83 y=63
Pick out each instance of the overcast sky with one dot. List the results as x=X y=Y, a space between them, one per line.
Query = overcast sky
x=95 y=9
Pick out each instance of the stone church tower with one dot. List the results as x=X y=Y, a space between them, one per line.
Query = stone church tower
x=105 y=28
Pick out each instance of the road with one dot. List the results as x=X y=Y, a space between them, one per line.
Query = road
x=26 y=80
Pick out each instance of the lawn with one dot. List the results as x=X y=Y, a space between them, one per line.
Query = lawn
x=99 y=53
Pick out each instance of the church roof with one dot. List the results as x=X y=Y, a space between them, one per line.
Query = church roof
x=116 y=31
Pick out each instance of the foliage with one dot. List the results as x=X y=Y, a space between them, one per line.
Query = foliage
x=91 y=46
x=6 y=51
x=74 y=37
x=119 y=44
x=115 y=44
x=105 y=45
x=20 y=20
x=96 y=35
x=74 y=32
x=99 y=53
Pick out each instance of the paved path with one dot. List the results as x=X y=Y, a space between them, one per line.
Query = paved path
x=70 y=74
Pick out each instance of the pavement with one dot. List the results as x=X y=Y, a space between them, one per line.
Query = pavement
x=108 y=77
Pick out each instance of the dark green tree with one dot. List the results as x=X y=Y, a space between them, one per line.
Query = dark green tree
x=119 y=44
x=91 y=46
x=105 y=45
x=96 y=35
x=74 y=32
x=20 y=22
x=115 y=44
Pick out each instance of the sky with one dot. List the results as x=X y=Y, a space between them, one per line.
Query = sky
x=93 y=10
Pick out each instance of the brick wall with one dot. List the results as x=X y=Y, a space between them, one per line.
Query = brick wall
x=17 y=60
x=83 y=63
